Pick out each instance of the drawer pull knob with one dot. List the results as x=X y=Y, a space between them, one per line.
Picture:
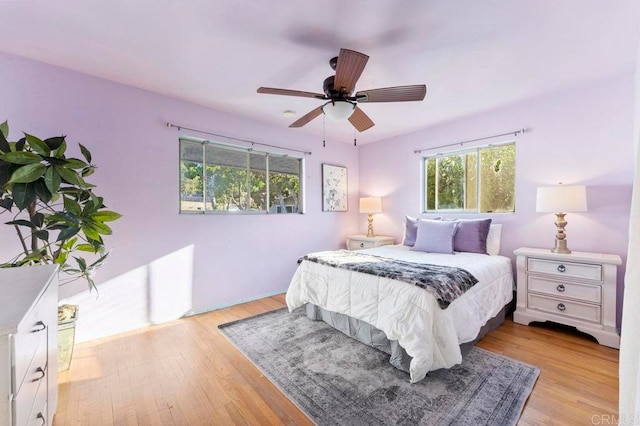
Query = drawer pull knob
x=361 y=245
x=562 y=307
x=562 y=268
x=42 y=374
x=40 y=416
x=40 y=326
x=560 y=288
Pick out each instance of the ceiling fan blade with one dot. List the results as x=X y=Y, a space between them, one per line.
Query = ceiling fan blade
x=393 y=94
x=307 y=117
x=360 y=120
x=349 y=68
x=286 y=92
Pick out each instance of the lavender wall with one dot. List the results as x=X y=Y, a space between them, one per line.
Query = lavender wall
x=164 y=264
x=583 y=136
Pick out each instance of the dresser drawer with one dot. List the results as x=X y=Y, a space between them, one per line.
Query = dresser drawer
x=39 y=413
x=33 y=412
x=565 y=308
x=35 y=381
x=31 y=335
x=359 y=245
x=565 y=269
x=583 y=292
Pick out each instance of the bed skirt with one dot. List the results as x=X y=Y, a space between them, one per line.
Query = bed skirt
x=372 y=336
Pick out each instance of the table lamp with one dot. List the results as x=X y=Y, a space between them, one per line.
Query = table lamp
x=561 y=199
x=370 y=205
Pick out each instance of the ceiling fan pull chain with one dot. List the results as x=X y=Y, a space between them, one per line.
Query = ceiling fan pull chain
x=355 y=143
x=323 y=132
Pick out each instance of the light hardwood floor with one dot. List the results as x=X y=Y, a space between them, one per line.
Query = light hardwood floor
x=186 y=373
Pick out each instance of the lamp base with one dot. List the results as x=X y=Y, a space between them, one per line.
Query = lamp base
x=561 y=237
x=561 y=247
x=370 y=229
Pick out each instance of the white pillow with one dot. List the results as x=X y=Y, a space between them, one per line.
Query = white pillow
x=493 y=239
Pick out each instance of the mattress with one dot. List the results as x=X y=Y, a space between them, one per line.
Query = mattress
x=431 y=336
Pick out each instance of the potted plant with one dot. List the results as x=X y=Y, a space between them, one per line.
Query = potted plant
x=56 y=215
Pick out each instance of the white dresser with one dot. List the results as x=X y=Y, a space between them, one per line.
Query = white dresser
x=577 y=289
x=359 y=242
x=28 y=345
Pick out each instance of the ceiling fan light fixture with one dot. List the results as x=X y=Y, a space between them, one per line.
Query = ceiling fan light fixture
x=338 y=110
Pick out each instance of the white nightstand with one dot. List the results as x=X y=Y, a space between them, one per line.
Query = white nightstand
x=359 y=242
x=577 y=289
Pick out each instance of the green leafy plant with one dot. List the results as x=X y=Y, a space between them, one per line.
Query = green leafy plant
x=54 y=210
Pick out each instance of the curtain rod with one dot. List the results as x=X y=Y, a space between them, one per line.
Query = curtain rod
x=170 y=125
x=514 y=133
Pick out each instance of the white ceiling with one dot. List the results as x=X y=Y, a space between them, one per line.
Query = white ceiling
x=473 y=55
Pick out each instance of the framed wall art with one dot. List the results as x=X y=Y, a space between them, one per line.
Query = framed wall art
x=334 y=188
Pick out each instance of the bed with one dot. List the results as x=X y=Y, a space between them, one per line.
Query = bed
x=403 y=319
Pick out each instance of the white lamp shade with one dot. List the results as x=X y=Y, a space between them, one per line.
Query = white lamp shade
x=561 y=198
x=370 y=205
x=338 y=110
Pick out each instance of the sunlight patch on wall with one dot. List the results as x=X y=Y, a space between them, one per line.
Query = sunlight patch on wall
x=157 y=292
x=170 y=285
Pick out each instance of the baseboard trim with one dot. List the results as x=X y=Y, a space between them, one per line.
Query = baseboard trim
x=226 y=305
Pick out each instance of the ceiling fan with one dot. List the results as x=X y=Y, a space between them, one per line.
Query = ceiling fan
x=338 y=91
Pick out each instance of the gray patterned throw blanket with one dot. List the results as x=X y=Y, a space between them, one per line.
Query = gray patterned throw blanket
x=446 y=283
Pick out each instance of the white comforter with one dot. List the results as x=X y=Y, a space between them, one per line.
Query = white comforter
x=406 y=313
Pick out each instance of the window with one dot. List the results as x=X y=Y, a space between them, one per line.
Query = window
x=479 y=180
x=216 y=178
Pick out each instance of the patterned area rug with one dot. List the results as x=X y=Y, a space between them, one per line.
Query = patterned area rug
x=336 y=380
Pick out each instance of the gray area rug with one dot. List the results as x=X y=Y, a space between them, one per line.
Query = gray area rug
x=336 y=380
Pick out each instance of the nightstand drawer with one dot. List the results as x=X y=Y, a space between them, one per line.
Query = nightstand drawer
x=359 y=245
x=565 y=308
x=583 y=292
x=565 y=269
x=360 y=242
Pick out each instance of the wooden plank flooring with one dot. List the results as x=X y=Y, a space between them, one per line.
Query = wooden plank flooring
x=186 y=373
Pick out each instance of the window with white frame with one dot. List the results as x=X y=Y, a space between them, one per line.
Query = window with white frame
x=478 y=180
x=217 y=178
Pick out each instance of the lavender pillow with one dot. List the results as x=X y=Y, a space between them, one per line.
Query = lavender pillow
x=410 y=231
x=435 y=236
x=472 y=235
